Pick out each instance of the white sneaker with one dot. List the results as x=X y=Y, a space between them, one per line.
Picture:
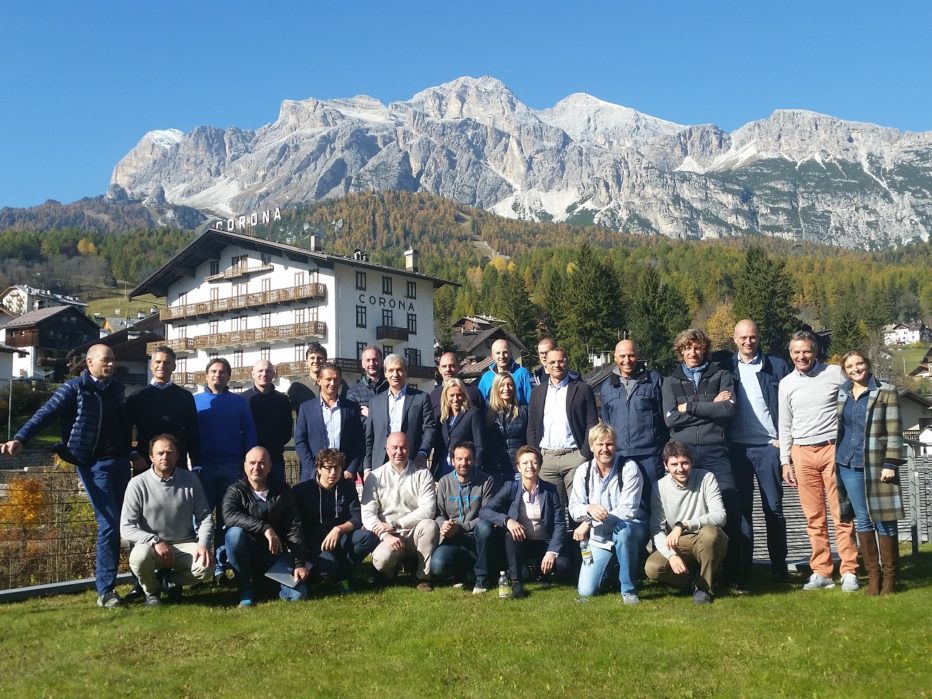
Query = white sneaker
x=819 y=582
x=849 y=582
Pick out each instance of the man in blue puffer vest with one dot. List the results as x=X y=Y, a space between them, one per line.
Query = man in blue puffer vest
x=96 y=438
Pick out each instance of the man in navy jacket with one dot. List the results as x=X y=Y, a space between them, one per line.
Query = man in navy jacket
x=96 y=439
x=329 y=421
x=632 y=405
x=754 y=447
x=698 y=403
x=561 y=430
x=401 y=408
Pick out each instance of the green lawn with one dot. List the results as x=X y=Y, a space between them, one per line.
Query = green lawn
x=904 y=360
x=107 y=306
x=452 y=644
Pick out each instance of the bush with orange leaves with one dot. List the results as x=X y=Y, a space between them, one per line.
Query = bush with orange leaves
x=27 y=503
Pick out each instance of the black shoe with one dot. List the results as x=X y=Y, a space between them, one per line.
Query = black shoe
x=134 y=594
x=702 y=597
x=171 y=589
x=517 y=590
x=740 y=588
x=782 y=576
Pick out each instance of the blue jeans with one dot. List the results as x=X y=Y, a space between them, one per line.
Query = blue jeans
x=351 y=550
x=455 y=556
x=105 y=482
x=215 y=479
x=250 y=559
x=628 y=538
x=762 y=461
x=854 y=483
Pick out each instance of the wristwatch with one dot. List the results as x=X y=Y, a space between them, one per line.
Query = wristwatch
x=682 y=526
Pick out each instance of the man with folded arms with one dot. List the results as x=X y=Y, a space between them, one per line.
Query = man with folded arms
x=263 y=530
x=161 y=509
x=398 y=503
x=686 y=520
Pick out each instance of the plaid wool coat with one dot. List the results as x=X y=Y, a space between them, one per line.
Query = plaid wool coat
x=883 y=444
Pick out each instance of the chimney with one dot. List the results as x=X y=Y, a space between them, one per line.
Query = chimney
x=412 y=258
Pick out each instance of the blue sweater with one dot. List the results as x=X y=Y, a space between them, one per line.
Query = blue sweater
x=226 y=427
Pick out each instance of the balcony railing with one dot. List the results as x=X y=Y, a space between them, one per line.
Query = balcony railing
x=182 y=345
x=390 y=332
x=293 y=370
x=259 y=336
x=237 y=271
x=302 y=292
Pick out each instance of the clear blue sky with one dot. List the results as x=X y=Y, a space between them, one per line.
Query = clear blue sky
x=82 y=82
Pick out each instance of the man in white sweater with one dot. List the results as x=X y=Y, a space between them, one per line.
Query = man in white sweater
x=161 y=507
x=398 y=503
x=687 y=516
x=808 y=401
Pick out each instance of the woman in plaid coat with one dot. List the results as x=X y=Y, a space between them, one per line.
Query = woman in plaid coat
x=868 y=453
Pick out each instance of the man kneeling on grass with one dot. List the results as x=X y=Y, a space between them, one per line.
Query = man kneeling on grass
x=161 y=507
x=329 y=507
x=398 y=502
x=464 y=538
x=264 y=532
x=687 y=516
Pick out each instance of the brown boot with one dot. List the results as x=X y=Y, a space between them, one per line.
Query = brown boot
x=868 y=543
x=889 y=557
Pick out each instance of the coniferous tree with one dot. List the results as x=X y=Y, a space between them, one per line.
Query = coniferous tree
x=513 y=305
x=656 y=313
x=764 y=293
x=593 y=309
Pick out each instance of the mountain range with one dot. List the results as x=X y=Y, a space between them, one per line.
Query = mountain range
x=796 y=174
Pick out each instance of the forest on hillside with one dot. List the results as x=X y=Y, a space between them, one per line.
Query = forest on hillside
x=531 y=273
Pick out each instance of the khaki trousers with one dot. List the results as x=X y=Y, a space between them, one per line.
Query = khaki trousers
x=185 y=570
x=420 y=541
x=704 y=549
x=559 y=469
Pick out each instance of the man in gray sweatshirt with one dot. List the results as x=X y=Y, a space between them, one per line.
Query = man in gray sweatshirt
x=464 y=538
x=808 y=424
x=161 y=508
x=687 y=516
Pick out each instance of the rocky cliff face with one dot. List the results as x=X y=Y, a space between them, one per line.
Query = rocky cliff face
x=796 y=174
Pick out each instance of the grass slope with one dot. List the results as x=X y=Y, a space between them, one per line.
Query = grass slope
x=401 y=643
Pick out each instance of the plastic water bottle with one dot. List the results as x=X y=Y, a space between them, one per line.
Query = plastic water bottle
x=504 y=587
x=586 y=552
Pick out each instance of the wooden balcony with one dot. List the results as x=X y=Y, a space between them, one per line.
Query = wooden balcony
x=293 y=370
x=237 y=272
x=390 y=332
x=182 y=346
x=261 y=336
x=303 y=292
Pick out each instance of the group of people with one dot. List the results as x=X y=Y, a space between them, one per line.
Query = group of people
x=521 y=470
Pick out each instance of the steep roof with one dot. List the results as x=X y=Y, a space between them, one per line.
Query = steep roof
x=34 y=317
x=209 y=244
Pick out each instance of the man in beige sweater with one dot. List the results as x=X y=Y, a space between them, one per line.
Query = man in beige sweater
x=687 y=516
x=398 y=503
